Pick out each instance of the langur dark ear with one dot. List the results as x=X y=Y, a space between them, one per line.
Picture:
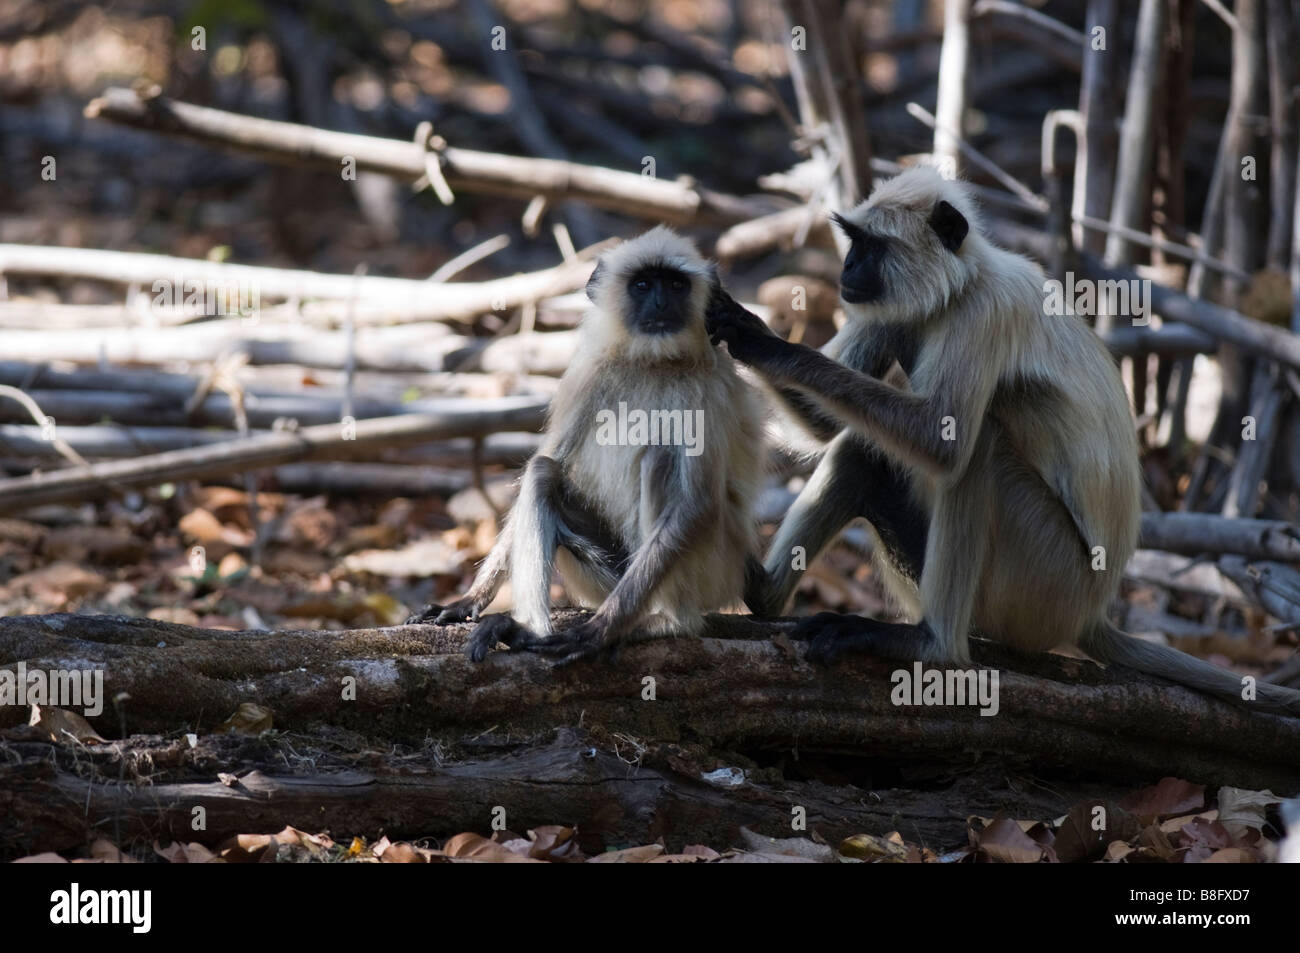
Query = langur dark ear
x=593 y=281
x=950 y=225
x=849 y=230
x=714 y=280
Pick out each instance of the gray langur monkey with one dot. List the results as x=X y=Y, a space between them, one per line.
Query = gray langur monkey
x=1003 y=484
x=644 y=524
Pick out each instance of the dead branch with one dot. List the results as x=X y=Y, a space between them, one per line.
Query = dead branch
x=1194 y=534
x=377 y=299
x=366 y=437
x=639 y=196
x=1256 y=337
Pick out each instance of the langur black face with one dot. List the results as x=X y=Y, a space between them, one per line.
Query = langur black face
x=862 y=281
x=863 y=278
x=660 y=300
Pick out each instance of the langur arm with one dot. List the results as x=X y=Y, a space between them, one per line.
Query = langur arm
x=723 y=309
x=906 y=425
x=821 y=425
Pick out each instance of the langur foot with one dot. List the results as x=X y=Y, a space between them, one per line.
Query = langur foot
x=462 y=610
x=500 y=627
x=578 y=642
x=834 y=635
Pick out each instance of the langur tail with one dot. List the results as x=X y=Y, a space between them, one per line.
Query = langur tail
x=1105 y=643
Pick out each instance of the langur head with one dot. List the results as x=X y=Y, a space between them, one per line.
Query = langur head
x=914 y=246
x=649 y=295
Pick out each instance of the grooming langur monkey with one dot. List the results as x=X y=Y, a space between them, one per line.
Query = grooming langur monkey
x=644 y=525
x=1003 y=483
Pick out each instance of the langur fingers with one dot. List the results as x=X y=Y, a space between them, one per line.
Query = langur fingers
x=431 y=614
x=576 y=643
x=462 y=610
x=760 y=591
x=435 y=613
x=729 y=322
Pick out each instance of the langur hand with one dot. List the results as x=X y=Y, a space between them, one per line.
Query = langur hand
x=727 y=321
x=760 y=593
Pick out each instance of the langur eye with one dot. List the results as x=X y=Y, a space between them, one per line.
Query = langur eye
x=641 y=284
x=678 y=284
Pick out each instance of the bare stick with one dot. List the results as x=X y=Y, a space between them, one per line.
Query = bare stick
x=1136 y=147
x=1281 y=40
x=42 y=421
x=1193 y=534
x=466 y=170
x=385 y=299
x=453 y=267
x=458 y=418
x=1012 y=184
x=1094 y=170
x=951 y=106
x=1041 y=20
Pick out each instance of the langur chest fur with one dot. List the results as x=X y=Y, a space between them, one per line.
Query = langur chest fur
x=629 y=423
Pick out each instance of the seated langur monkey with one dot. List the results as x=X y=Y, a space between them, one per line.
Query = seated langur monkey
x=642 y=492
x=1003 y=484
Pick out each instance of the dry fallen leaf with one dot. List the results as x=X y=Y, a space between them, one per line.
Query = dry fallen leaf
x=178 y=853
x=629 y=855
x=1168 y=796
x=106 y=852
x=402 y=853
x=1241 y=809
x=789 y=846
x=889 y=849
x=476 y=848
x=61 y=723
x=1005 y=842
x=248 y=719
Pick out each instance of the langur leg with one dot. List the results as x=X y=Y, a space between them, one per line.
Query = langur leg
x=546 y=515
x=674 y=513
x=524 y=524
x=852 y=480
x=951 y=572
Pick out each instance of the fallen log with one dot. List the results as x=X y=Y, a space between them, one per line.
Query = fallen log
x=45 y=805
x=743 y=688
